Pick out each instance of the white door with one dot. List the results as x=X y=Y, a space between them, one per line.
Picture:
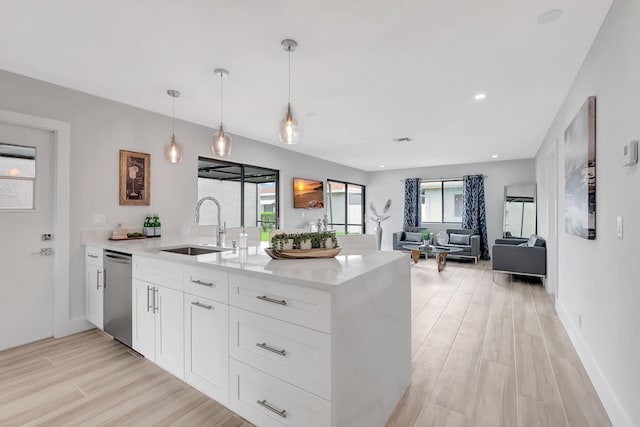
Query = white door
x=206 y=364
x=26 y=206
x=169 y=330
x=143 y=319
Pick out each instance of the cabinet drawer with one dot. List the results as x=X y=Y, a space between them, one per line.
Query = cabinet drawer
x=93 y=256
x=207 y=283
x=296 y=304
x=158 y=272
x=267 y=401
x=297 y=355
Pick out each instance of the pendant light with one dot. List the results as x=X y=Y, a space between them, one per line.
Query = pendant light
x=289 y=127
x=221 y=141
x=173 y=151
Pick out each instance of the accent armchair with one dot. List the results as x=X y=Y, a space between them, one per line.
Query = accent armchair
x=527 y=257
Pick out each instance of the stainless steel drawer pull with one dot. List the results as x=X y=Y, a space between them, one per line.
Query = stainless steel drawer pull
x=98 y=279
x=264 y=403
x=266 y=347
x=148 y=305
x=275 y=301
x=92 y=256
x=199 y=304
x=200 y=282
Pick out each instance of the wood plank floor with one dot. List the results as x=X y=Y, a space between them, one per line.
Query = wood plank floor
x=484 y=354
x=491 y=354
x=88 y=379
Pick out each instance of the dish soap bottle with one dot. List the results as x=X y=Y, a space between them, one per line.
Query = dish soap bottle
x=243 y=239
x=157 y=227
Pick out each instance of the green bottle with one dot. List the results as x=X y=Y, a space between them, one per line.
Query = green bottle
x=145 y=227
x=157 y=228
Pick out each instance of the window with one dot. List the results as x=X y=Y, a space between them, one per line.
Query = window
x=17 y=177
x=247 y=194
x=345 y=203
x=441 y=201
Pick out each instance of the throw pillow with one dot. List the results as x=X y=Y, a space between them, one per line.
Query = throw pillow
x=459 y=239
x=524 y=244
x=412 y=237
x=442 y=238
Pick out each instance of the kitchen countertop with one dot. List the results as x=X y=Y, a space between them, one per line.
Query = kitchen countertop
x=318 y=273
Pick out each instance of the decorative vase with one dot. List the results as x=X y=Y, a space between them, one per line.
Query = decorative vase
x=378 y=231
x=305 y=244
x=328 y=243
x=288 y=245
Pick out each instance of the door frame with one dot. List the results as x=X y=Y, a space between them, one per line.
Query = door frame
x=61 y=210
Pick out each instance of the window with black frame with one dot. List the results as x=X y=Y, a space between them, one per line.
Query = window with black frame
x=248 y=195
x=346 y=207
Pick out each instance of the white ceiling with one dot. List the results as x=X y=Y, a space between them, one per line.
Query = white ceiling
x=365 y=71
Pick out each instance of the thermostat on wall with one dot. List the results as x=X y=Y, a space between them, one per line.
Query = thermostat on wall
x=630 y=153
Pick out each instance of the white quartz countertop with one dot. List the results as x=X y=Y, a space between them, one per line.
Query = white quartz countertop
x=318 y=273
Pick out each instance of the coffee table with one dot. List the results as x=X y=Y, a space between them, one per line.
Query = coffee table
x=440 y=252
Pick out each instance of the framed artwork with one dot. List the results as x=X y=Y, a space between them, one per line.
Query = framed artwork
x=580 y=173
x=135 y=182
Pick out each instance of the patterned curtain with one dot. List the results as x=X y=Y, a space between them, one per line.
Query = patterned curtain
x=411 y=202
x=473 y=211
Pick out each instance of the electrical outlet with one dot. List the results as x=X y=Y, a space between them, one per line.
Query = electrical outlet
x=619 y=227
x=99 y=219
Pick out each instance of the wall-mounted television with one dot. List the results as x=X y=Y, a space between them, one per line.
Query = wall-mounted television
x=308 y=193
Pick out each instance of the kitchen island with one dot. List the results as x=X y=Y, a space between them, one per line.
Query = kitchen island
x=319 y=342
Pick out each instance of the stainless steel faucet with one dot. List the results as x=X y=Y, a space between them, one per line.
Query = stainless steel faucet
x=221 y=229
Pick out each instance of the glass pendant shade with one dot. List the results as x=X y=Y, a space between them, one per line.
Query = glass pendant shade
x=289 y=129
x=173 y=151
x=221 y=143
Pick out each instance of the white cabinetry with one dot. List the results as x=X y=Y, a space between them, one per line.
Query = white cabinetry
x=94 y=285
x=157 y=315
x=206 y=332
x=280 y=350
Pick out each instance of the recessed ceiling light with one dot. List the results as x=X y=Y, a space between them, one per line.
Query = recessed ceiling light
x=495 y=156
x=550 y=16
x=480 y=96
x=403 y=139
x=381 y=166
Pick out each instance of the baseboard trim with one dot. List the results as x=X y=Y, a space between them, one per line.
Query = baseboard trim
x=617 y=414
x=77 y=324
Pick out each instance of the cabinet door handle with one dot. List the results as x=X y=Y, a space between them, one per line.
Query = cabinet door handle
x=156 y=297
x=92 y=256
x=200 y=282
x=148 y=305
x=201 y=305
x=264 y=403
x=98 y=280
x=275 y=301
x=271 y=349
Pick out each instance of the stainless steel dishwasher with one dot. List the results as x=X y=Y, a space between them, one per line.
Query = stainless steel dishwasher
x=117 y=296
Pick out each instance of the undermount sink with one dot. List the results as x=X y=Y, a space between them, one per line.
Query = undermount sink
x=193 y=250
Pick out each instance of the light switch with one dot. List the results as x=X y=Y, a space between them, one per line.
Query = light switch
x=619 y=227
x=99 y=219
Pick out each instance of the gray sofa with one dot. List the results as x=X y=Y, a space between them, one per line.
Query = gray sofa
x=527 y=257
x=411 y=236
x=470 y=249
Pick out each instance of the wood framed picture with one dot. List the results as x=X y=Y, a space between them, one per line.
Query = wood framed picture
x=135 y=182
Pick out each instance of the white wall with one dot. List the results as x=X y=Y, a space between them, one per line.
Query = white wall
x=390 y=185
x=100 y=128
x=598 y=280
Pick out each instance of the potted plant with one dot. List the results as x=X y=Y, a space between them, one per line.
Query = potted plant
x=282 y=242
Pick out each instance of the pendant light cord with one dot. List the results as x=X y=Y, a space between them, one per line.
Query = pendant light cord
x=221 y=78
x=289 y=51
x=173 y=115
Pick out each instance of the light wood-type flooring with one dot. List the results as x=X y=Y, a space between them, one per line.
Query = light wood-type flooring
x=491 y=354
x=484 y=354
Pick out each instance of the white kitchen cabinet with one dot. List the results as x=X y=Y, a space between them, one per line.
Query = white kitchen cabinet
x=157 y=321
x=94 y=286
x=206 y=346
